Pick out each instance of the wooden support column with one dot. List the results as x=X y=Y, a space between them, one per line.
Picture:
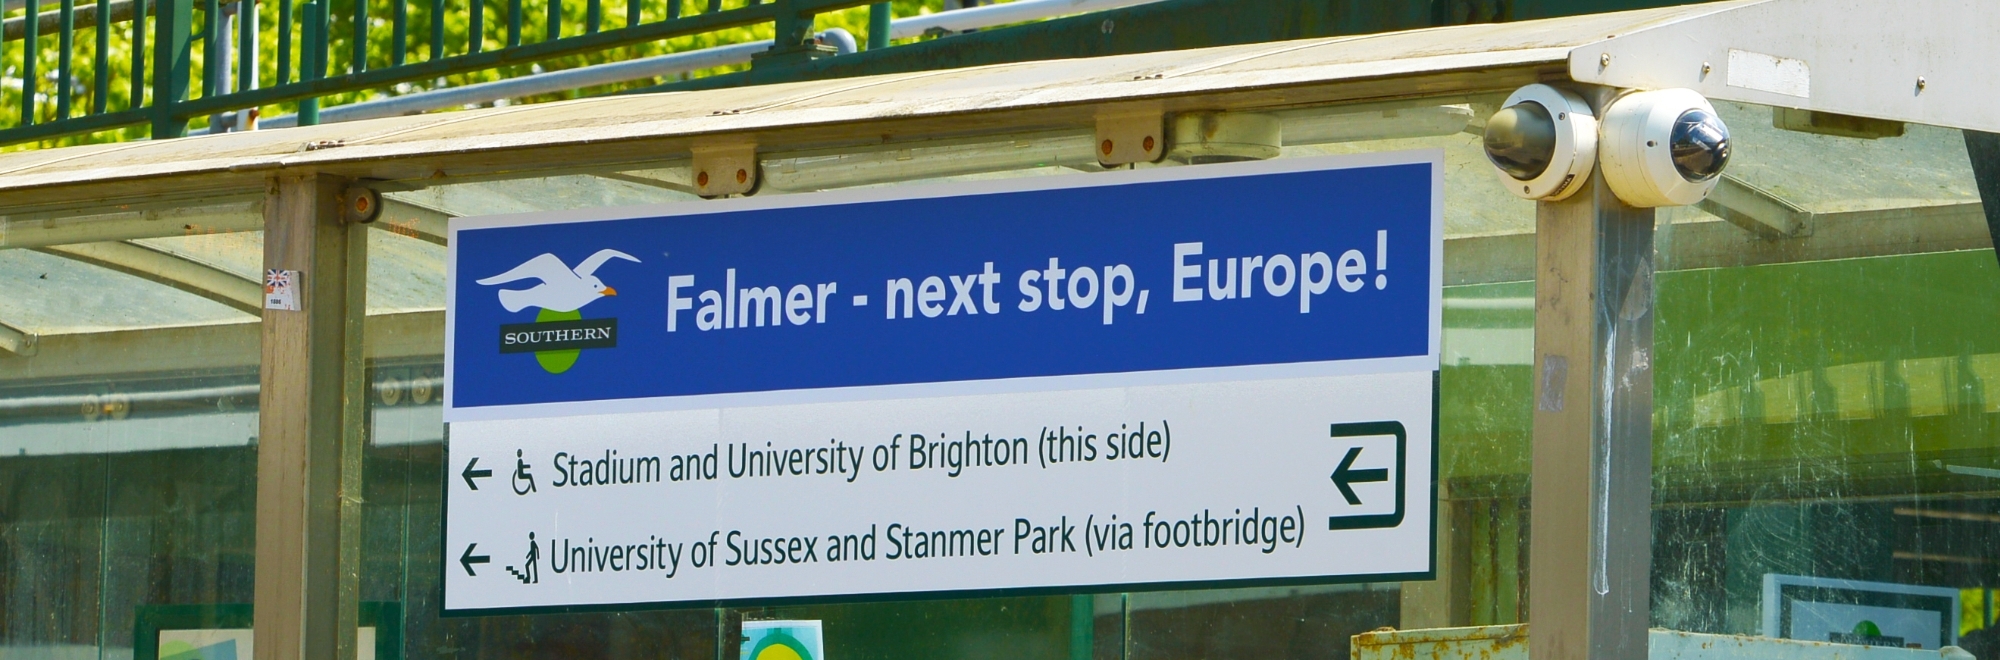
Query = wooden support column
x=310 y=428
x=1590 y=546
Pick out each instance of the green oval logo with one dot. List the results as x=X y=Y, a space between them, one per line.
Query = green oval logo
x=556 y=362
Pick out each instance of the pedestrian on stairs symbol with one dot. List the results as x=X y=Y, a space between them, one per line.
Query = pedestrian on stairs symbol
x=528 y=573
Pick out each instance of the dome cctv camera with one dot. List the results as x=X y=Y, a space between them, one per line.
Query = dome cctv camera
x=1663 y=148
x=1542 y=143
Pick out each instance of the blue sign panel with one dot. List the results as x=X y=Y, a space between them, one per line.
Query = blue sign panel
x=1296 y=262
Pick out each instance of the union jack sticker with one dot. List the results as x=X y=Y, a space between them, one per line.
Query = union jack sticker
x=281 y=290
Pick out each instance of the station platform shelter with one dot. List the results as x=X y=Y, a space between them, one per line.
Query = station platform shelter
x=1777 y=394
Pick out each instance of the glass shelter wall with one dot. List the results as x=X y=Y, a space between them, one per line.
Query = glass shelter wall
x=128 y=442
x=1825 y=405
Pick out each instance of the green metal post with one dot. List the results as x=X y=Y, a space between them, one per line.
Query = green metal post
x=65 y=60
x=100 y=69
x=173 y=65
x=513 y=23
x=211 y=48
x=593 y=16
x=1082 y=626
x=555 y=21
x=138 y=54
x=312 y=62
x=399 y=33
x=475 y=32
x=360 y=35
x=30 y=56
x=787 y=33
x=437 y=29
x=878 y=25
x=284 y=41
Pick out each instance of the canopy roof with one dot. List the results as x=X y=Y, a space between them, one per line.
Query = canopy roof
x=817 y=114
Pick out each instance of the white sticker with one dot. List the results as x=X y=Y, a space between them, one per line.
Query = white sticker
x=281 y=290
x=1769 y=73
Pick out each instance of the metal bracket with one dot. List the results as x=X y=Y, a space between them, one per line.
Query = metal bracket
x=1838 y=125
x=792 y=40
x=1126 y=138
x=360 y=204
x=792 y=55
x=1756 y=210
x=17 y=341
x=727 y=169
x=1218 y=137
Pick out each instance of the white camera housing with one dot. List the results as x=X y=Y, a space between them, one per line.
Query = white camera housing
x=1636 y=149
x=1575 y=146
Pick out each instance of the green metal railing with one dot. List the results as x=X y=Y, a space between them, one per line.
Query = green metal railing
x=160 y=38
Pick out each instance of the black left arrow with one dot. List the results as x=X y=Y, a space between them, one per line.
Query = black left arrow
x=1346 y=474
x=469 y=474
x=468 y=559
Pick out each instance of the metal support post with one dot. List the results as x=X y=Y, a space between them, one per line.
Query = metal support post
x=312 y=56
x=30 y=59
x=173 y=65
x=879 y=18
x=310 y=427
x=1591 y=545
x=221 y=44
x=1082 y=626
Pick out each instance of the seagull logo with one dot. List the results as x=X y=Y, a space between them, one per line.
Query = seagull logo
x=559 y=333
x=563 y=289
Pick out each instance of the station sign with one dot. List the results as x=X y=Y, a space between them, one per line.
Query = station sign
x=1176 y=377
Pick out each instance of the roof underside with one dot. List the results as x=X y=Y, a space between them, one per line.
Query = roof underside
x=821 y=114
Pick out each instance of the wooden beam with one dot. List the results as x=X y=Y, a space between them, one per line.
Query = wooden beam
x=310 y=428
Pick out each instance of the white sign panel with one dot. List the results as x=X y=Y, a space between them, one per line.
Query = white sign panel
x=1176 y=378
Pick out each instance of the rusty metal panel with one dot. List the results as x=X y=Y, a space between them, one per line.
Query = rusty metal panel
x=1470 y=643
x=1511 y=643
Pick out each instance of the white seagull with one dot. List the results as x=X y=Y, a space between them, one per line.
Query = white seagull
x=562 y=289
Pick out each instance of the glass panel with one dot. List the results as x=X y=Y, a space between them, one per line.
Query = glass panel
x=127 y=459
x=1822 y=404
x=50 y=294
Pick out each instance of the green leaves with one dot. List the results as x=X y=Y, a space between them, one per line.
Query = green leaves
x=417 y=39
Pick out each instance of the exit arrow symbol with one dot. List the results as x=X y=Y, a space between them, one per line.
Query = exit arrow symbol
x=469 y=474
x=1345 y=475
x=468 y=559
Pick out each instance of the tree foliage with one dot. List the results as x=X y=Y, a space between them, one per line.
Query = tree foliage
x=381 y=39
